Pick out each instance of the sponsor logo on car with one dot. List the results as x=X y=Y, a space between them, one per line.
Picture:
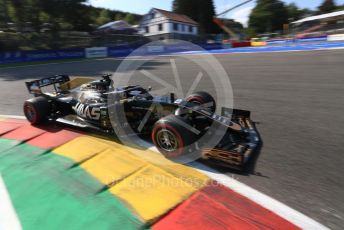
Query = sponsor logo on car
x=86 y=111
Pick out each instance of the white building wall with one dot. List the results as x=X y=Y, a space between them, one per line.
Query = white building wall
x=153 y=27
x=185 y=30
x=195 y=30
x=167 y=25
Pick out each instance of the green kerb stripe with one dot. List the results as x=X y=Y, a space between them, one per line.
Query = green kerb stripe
x=49 y=191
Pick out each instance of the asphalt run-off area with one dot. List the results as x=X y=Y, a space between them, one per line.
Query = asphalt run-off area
x=296 y=98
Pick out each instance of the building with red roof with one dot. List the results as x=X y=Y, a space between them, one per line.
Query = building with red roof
x=160 y=24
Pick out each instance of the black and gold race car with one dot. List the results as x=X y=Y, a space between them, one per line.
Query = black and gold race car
x=177 y=127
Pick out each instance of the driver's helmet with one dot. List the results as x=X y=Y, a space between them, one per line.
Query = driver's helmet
x=101 y=87
x=98 y=86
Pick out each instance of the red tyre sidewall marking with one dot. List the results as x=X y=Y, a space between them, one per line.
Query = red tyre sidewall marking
x=180 y=139
x=195 y=98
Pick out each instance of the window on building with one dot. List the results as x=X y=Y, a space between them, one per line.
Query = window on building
x=147 y=29
x=183 y=27
x=152 y=15
x=160 y=27
x=175 y=26
x=190 y=29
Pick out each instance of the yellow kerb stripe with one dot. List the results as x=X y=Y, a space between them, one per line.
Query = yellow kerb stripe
x=112 y=166
x=151 y=192
x=150 y=184
x=81 y=148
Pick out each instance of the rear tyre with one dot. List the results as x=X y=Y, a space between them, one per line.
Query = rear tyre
x=204 y=99
x=173 y=136
x=37 y=110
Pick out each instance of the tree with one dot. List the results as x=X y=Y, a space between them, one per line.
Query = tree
x=294 y=13
x=103 y=17
x=201 y=11
x=186 y=7
x=268 y=16
x=327 y=6
x=118 y=17
x=307 y=12
x=56 y=15
x=3 y=12
x=18 y=13
x=33 y=11
x=71 y=11
x=130 y=19
x=206 y=15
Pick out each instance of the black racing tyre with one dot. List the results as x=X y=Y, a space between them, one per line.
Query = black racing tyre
x=173 y=136
x=37 y=110
x=204 y=99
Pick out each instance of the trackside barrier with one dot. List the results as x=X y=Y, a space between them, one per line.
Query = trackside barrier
x=211 y=46
x=241 y=44
x=335 y=37
x=313 y=39
x=40 y=55
x=53 y=55
x=297 y=40
x=95 y=52
x=260 y=43
x=11 y=57
x=159 y=49
x=277 y=42
x=119 y=52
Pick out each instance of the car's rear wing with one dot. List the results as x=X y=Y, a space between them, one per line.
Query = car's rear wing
x=34 y=87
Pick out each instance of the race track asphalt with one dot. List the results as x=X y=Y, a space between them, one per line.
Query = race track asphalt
x=297 y=98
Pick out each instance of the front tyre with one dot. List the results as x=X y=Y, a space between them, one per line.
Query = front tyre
x=36 y=110
x=173 y=136
x=204 y=99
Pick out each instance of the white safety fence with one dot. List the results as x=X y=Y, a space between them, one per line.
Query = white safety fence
x=335 y=37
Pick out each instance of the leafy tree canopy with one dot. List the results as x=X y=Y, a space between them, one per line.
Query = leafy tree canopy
x=104 y=17
x=327 y=6
x=60 y=15
x=268 y=16
x=295 y=13
x=202 y=11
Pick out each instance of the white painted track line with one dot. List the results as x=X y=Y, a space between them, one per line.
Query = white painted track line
x=8 y=216
x=267 y=202
x=12 y=116
x=286 y=212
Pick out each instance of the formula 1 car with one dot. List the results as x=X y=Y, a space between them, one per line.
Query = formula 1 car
x=176 y=127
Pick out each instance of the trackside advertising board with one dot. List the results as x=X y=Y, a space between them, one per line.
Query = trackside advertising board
x=39 y=55
x=96 y=52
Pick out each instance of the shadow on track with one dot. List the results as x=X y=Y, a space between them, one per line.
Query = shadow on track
x=248 y=170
